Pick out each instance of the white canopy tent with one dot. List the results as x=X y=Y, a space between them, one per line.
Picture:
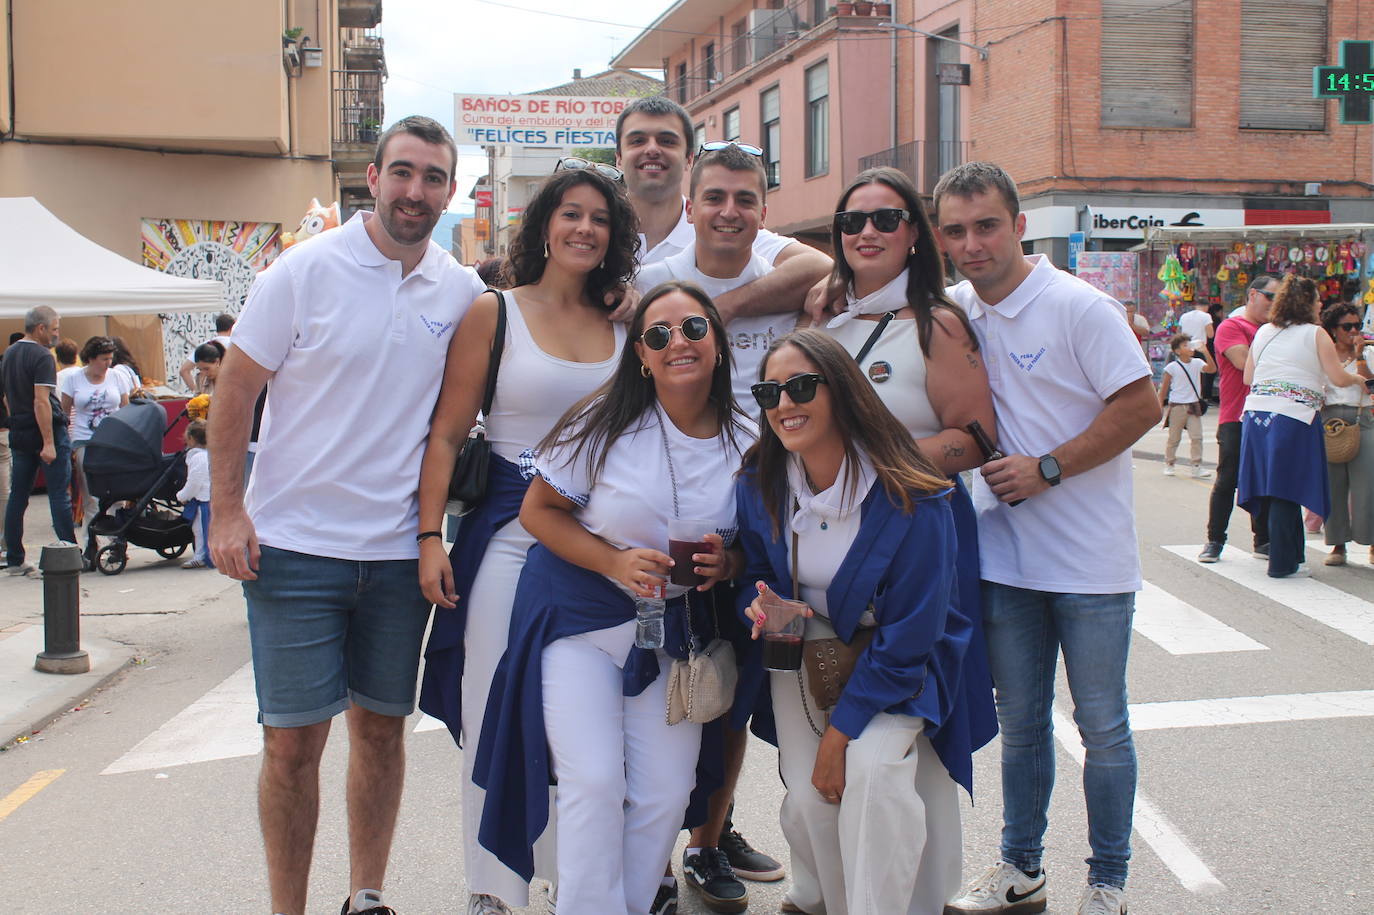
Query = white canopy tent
x=43 y=261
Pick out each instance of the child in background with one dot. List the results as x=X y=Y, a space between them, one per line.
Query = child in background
x=195 y=495
x=1180 y=396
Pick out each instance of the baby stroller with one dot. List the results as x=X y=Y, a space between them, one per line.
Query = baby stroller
x=124 y=463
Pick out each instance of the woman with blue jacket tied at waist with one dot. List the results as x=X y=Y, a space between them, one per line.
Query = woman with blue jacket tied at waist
x=837 y=493
x=574 y=700
x=577 y=242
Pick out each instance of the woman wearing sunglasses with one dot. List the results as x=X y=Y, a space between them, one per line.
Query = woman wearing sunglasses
x=1352 y=482
x=839 y=508
x=578 y=240
x=574 y=699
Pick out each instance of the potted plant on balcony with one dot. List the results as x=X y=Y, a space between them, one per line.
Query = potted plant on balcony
x=882 y=10
x=367 y=130
x=863 y=7
x=844 y=9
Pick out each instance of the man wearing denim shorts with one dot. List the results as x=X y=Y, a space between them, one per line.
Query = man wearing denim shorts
x=1073 y=393
x=350 y=332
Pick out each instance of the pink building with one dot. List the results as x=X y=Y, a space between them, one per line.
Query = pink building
x=824 y=91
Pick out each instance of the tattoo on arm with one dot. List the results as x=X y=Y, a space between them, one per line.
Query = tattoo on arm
x=954 y=451
x=973 y=362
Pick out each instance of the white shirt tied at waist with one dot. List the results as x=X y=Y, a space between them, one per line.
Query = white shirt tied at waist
x=1288 y=377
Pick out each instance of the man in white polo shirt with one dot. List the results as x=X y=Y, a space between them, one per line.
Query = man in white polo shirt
x=1060 y=572
x=350 y=332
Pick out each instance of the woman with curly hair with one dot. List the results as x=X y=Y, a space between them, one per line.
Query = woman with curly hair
x=555 y=345
x=1282 y=454
x=1352 y=482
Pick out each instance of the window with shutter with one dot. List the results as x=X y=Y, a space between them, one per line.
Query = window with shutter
x=1280 y=43
x=1146 y=69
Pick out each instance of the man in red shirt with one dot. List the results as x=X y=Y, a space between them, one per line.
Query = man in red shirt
x=1233 y=337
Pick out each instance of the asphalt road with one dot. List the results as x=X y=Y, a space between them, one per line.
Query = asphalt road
x=1256 y=804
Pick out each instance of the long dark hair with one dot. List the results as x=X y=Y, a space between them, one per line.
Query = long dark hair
x=1293 y=304
x=526 y=260
x=597 y=420
x=122 y=356
x=863 y=422
x=925 y=285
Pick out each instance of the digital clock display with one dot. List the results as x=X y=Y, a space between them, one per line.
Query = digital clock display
x=1349 y=82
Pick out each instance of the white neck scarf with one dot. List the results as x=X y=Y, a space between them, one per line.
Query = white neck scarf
x=891 y=297
x=831 y=504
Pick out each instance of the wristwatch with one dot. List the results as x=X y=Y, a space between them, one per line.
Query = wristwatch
x=1049 y=469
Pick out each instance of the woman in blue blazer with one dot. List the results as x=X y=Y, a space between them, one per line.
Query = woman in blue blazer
x=836 y=489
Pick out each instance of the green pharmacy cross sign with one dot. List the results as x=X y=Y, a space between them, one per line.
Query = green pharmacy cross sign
x=1352 y=82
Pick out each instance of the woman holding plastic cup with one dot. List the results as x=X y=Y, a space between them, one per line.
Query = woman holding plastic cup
x=575 y=698
x=838 y=507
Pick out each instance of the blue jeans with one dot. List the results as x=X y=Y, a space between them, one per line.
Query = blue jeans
x=1025 y=631
x=58 y=476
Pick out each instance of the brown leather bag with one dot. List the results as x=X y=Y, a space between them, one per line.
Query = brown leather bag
x=829 y=663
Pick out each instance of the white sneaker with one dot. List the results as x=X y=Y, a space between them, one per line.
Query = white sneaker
x=1002 y=890
x=1168 y=470
x=483 y=904
x=1101 y=899
x=1201 y=473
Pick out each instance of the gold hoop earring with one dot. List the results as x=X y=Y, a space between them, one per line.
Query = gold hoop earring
x=644 y=370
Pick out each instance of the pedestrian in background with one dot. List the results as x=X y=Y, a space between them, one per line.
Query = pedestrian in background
x=1073 y=394
x=1233 y=339
x=209 y=357
x=37 y=433
x=1282 y=455
x=224 y=327
x=195 y=495
x=125 y=368
x=1180 y=397
x=1352 y=481
x=1138 y=324
x=88 y=395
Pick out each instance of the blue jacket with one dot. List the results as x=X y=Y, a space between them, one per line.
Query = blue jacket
x=903 y=567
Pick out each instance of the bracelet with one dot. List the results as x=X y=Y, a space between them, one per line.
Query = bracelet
x=425 y=535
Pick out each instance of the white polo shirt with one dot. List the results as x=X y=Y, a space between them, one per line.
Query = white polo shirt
x=1056 y=349
x=749 y=337
x=358 y=354
x=768 y=245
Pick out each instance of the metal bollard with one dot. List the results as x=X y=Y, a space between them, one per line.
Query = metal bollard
x=61 y=566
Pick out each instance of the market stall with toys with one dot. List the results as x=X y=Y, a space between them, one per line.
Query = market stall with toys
x=1180 y=266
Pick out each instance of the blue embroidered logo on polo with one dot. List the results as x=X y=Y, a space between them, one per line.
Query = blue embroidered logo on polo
x=435 y=328
x=1026 y=361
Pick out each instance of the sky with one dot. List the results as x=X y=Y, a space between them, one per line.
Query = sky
x=435 y=48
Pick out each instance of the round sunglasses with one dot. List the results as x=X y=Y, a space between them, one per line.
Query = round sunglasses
x=657 y=336
x=887 y=219
x=577 y=164
x=801 y=388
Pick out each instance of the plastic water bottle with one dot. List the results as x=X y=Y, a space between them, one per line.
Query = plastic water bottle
x=649 y=620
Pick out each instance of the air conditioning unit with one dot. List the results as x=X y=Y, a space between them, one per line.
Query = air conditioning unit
x=767 y=31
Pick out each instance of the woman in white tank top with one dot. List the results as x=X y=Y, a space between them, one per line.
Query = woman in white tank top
x=1282 y=454
x=578 y=242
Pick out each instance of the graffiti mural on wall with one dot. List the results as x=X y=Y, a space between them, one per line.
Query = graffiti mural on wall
x=232 y=252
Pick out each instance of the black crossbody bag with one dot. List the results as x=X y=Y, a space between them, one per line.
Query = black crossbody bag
x=468 y=485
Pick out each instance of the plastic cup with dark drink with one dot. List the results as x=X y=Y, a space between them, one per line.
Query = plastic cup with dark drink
x=684 y=539
x=781 y=631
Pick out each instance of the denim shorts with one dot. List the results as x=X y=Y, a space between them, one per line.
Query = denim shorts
x=327 y=633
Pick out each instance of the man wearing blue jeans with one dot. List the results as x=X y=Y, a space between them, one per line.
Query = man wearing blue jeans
x=352 y=332
x=1060 y=572
x=37 y=435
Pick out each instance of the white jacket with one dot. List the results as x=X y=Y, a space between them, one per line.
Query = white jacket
x=197 y=476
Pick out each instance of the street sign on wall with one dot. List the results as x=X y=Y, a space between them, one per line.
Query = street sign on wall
x=482 y=198
x=536 y=120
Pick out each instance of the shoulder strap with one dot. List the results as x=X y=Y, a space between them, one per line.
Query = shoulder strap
x=1188 y=376
x=498 y=346
x=873 y=337
x=1266 y=342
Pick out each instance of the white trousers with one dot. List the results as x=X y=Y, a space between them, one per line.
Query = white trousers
x=624 y=775
x=894 y=843
x=488 y=629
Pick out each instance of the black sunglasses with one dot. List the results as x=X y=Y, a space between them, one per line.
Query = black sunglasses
x=714 y=145
x=577 y=164
x=801 y=388
x=1267 y=294
x=1351 y=325
x=657 y=336
x=851 y=222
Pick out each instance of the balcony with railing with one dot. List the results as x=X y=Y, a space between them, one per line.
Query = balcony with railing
x=363 y=49
x=359 y=14
x=923 y=161
x=358 y=114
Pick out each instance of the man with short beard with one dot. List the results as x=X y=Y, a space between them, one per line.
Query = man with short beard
x=351 y=332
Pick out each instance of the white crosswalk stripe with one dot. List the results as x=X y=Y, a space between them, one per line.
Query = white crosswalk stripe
x=1180 y=628
x=1329 y=606
x=1192 y=713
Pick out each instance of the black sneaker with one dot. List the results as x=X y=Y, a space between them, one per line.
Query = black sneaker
x=665 y=901
x=709 y=873
x=374 y=910
x=747 y=861
x=1211 y=552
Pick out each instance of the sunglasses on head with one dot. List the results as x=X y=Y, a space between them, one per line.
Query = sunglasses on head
x=851 y=222
x=714 y=145
x=1349 y=325
x=801 y=388
x=657 y=336
x=577 y=164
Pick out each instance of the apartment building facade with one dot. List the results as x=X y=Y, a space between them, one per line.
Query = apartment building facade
x=187 y=136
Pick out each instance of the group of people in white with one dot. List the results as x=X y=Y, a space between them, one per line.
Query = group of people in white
x=654 y=358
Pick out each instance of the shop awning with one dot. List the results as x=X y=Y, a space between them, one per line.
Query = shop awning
x=43 y=261
x=1172 y=235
